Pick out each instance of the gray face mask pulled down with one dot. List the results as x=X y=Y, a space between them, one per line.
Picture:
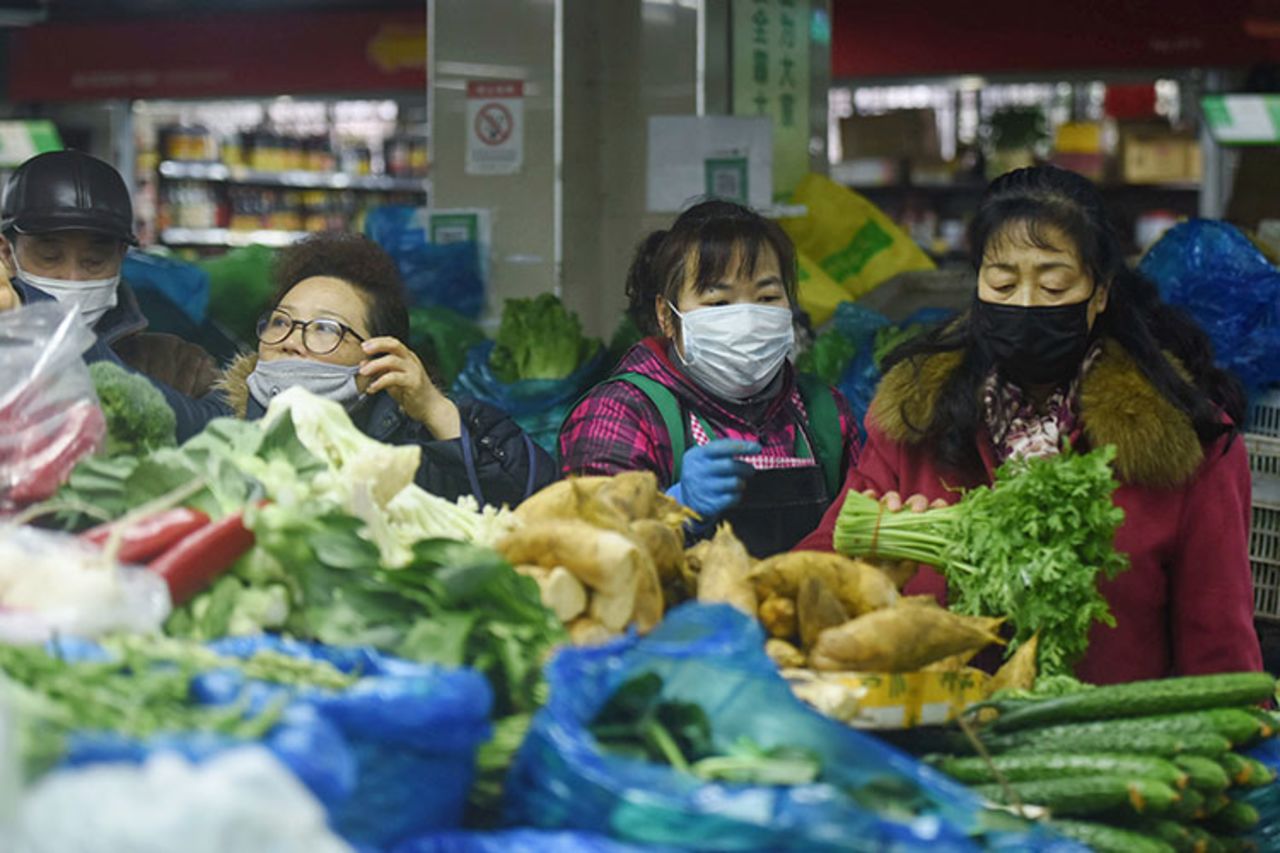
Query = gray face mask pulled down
x=331 y=381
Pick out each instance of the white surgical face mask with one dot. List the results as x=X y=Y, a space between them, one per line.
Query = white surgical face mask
x=335 y=382
x=92 y=298
x=734 y=351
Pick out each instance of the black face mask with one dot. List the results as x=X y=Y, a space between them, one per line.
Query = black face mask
x=1041 y=345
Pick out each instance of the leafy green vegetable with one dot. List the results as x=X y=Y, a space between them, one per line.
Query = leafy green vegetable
x=316 y=577
x=138 y=418
x=539 y=339
x=638 y=723
x=1046 y=687
x=829 y=356
x=140 y=693
x=1030 y=548
x=442 y=338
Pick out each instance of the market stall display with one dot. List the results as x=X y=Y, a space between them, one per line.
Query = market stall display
x=1156 y=765
x=300 y=525
x=660 y=740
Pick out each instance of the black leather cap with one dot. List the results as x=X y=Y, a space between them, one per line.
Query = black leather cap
x=66 y=191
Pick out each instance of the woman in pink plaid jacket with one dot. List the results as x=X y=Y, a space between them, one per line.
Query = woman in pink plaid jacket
x=709 y=401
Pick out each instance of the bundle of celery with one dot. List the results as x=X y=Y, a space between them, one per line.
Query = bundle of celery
x=1029 y=548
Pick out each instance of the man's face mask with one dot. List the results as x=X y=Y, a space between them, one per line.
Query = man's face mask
x=93 y=298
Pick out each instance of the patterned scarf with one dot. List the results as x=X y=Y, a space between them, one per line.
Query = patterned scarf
x=1018 y=428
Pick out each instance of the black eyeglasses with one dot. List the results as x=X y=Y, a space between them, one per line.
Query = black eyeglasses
x=320 y=336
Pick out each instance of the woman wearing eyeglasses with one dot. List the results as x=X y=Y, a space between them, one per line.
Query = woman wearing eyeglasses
x=337 y=328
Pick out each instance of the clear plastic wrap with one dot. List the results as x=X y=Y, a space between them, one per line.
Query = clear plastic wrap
x=49 y=414
x=54 y=584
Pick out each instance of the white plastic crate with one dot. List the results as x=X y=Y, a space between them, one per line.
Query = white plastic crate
x=1264 y=415
x=1264 y=457
x=1264 y=555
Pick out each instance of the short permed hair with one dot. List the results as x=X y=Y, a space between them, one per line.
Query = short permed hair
x=358 y=261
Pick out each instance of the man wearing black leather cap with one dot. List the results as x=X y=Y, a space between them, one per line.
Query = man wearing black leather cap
x=66 y=221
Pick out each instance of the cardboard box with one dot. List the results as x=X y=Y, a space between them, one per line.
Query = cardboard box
x=890 y=700
x=902 y=134
x=1079 y=137
x=1092 y=166
x=1156 y=155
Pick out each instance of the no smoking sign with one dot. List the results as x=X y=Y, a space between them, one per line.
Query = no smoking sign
x=495 y=132
x=493 y=124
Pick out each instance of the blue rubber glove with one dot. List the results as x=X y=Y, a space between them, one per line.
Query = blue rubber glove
x=712 y=480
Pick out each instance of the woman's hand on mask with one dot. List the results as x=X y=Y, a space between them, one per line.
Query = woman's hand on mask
x=393 y=367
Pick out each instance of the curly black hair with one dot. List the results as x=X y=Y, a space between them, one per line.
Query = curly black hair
x=358 y=261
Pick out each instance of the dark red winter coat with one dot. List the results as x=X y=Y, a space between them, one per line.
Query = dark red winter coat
x=1185 y=605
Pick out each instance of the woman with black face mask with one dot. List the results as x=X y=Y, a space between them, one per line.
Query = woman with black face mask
x=1064 y=343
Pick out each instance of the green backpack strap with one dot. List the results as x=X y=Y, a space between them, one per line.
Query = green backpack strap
x=668 y=408
x=824 y=428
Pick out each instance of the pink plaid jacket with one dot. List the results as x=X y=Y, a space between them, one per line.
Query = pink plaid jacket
x=616 y=427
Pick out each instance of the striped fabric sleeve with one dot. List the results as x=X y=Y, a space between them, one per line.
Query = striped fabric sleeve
x=615 y=428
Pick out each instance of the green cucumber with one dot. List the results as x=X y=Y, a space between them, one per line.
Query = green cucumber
x=1202 y=841
x=1109 y=839
x=1084 y=738
x=1213 y=804
x=1267 y=719
x=1235 y=725
x=1185 y=809
x=1230 y=844
x=1087 y=795
x=1143 y=698
x=1023 y=767
x=1207 y=775
x=1175 y=834
x=1246 y=772
x=1236 y=817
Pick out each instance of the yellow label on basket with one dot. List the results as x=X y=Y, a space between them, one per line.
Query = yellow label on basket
x=891 y=700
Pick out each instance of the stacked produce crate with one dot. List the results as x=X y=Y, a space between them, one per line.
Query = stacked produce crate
x=1262 y=439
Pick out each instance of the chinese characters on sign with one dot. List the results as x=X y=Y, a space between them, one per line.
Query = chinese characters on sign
x=771 y=79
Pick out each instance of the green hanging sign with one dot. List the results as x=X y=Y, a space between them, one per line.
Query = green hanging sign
x=1243 y=119
x=771 y=41
x=22 y=140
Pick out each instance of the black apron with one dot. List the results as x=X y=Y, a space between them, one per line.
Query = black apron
x=779 y=508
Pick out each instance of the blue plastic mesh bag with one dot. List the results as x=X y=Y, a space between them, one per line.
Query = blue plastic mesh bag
x=1213 y=271
x=391 y=757
x=714 y=656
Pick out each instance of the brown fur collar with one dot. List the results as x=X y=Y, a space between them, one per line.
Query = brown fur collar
x=1156 y=443
x=234 y=382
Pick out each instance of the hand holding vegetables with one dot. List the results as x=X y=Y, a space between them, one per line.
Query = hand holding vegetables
x=1031 y=547
x=713 y=478
x=396 y=369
